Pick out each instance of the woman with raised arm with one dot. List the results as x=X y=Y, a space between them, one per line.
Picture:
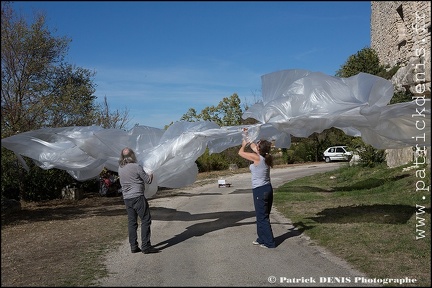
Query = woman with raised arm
x=262 y=188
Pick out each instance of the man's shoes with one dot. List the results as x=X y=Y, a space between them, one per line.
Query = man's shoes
x=136 y=250
x=151 y=250
x=255 y=243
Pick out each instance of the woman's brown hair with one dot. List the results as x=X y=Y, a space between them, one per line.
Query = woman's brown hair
x=264 y=150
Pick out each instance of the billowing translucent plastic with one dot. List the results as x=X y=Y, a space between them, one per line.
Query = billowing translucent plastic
x=295 y=102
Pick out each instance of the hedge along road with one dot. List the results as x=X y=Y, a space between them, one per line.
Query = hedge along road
x=206 y=235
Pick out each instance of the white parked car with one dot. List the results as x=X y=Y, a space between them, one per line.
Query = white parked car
x=337 y=153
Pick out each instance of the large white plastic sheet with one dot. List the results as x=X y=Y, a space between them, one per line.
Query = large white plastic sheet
x=295 y=103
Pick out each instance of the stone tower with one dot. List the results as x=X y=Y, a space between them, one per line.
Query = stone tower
x=401 y=35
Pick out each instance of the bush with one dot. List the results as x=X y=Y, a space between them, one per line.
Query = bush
x=213 y=162
x=36 y=184
x=370 y=157
x=290 y=156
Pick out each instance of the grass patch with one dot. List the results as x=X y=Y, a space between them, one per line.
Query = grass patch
x=90 y=265
x=372 y=217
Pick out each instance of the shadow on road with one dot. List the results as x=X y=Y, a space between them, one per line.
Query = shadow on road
x=216 y=221
x=293 y=232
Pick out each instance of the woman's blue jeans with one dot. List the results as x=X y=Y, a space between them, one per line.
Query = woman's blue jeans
x=263 y=201
x=138 y=207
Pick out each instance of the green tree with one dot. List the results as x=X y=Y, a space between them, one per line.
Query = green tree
x=227 y=113
x=65 y=98
x=365 y=60
x=230 y=110
x=210 y=113
x=40 y=90
x=190 y=116
x=29 y=78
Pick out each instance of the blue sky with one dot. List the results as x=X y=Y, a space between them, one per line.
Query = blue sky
x=158 y=59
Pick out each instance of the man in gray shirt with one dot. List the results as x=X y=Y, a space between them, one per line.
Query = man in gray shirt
x=132 y=180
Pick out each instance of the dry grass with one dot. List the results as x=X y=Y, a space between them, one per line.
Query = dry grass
x=46 y=244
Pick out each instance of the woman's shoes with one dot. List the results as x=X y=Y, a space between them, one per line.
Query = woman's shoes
x=261 y=245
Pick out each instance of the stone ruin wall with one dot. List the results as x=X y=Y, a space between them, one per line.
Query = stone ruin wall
x=401 y=35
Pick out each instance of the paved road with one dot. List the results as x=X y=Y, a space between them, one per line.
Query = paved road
x=206 y=236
